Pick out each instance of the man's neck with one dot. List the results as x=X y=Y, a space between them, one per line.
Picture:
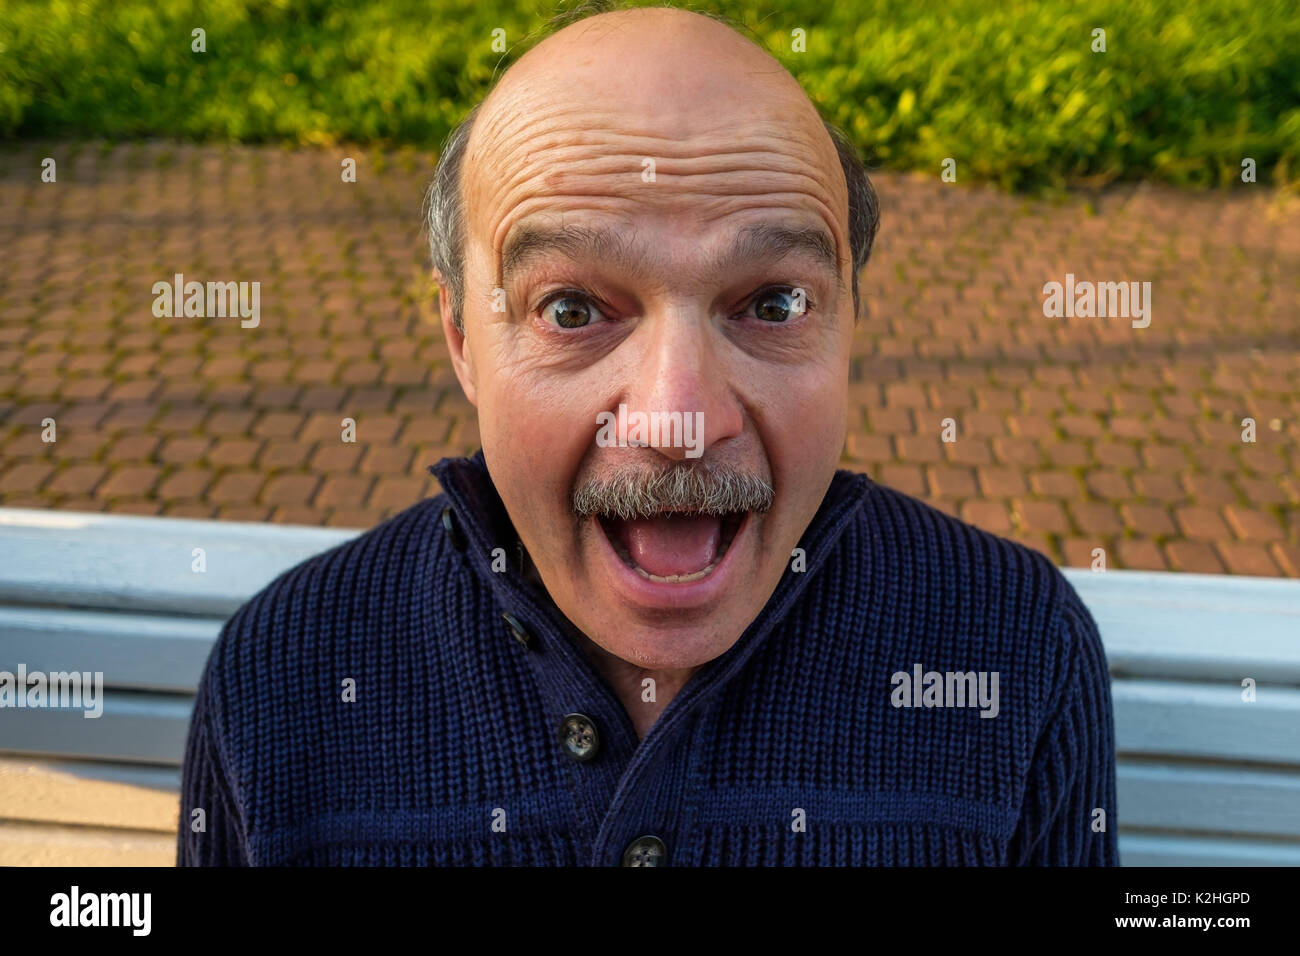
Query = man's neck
x=644 y=693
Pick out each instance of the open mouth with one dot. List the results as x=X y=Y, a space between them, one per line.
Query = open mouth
x=673 y=547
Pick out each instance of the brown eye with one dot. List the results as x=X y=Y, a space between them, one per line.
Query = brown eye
x=570 y=311
x=774 y=305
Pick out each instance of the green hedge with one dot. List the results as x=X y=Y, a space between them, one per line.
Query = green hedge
x=1012 y=91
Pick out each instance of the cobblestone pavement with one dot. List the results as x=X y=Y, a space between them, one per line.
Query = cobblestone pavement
x=1072 y=434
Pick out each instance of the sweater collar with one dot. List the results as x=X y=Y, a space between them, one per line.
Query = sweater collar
x=486 y=524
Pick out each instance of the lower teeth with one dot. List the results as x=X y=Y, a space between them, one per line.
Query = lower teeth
x=723 y=545
x=674 y=578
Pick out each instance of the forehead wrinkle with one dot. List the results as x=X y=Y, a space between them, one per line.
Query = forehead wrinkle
x=614 y=171
x=526 y=152
x=545 y=155
x=612 y=184
x=550 y=149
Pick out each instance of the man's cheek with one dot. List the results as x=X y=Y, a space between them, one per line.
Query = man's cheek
x=544 y=443
x=814 y=416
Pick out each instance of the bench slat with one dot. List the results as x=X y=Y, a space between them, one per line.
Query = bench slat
x=1195 y=626
x=68 y=792
x=1209 y=798
x=129 y=562
x=47 y=844
x=133 y=651
x=1174 y=849
x=1206 y=720
x=136 y=727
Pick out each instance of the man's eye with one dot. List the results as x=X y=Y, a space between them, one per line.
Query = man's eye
x=569 y=310
x=779 y=304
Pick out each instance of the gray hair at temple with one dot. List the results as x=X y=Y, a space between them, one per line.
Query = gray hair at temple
x=445 y=203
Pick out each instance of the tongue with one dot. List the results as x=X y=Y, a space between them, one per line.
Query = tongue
x=672 y=544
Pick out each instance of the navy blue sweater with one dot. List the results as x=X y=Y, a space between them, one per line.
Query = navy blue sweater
x=821 y=737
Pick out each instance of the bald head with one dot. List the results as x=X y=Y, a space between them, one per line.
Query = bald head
x=655 y=87
x=661 y=73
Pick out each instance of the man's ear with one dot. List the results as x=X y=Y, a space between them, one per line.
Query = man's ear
x=462 y=359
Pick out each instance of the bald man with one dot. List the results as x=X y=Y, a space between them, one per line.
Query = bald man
x=651 y=622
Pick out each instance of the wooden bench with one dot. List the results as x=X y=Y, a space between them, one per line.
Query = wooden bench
x=1204 y=777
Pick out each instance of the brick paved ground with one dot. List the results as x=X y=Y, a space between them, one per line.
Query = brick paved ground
x=1072 y=433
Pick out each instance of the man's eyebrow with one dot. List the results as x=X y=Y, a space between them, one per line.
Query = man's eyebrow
x=529 y=243
x=769 y=241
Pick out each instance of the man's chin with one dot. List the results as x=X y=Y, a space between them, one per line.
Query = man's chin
x=667 y=648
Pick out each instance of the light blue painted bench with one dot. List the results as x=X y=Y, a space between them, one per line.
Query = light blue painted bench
x=1204 y=778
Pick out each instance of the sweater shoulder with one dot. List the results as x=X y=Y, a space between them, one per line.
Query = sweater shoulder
x=945 y=578
x=956 y=558
x=361 y=586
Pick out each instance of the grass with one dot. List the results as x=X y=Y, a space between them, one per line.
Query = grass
x=1012 y=91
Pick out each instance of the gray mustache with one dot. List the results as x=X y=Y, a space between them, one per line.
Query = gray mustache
x=713 y=490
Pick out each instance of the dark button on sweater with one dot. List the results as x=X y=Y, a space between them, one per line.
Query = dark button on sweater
x=452 y=529
x=646 y=851
x=519 y=632
x=579 y=736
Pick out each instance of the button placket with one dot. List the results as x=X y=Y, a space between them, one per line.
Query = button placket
x=628 y=805
x=565 y=676
x=607 y=791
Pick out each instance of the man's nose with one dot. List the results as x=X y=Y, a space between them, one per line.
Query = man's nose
x=681 y=377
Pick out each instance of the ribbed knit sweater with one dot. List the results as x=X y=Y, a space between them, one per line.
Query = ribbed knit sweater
x=792 y=748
